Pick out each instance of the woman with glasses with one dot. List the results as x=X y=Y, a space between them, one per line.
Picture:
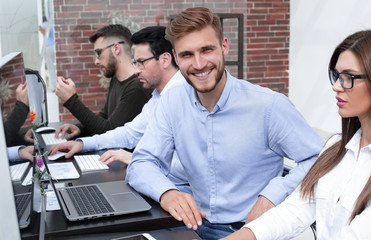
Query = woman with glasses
x=336 y=193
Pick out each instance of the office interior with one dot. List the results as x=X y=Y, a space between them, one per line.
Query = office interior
x=292 y=40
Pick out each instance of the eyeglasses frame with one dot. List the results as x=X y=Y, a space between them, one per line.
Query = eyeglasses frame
x=141 y=62
x=98 y=51
x=337 y=76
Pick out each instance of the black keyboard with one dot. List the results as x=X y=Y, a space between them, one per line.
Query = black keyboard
x=21 y=202
x=89 y=200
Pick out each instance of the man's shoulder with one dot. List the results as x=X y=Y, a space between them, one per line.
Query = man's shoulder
x=251 y=89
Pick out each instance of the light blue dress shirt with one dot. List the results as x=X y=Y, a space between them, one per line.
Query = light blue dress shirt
x=230 y=155
x=13 y=153
x=128 y=136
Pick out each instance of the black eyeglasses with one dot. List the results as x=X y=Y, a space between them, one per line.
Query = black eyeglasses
x=346 y=79
x=140 y=63
x=98 y=51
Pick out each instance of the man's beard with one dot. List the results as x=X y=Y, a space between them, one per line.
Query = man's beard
x=218 y=77
x=111 y=67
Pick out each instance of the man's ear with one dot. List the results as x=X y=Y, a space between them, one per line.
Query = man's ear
x=116 y=49
x=166 y=59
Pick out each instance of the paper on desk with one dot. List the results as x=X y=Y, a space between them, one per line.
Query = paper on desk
x=64 y=170
x=59 y=171
x=52 y=201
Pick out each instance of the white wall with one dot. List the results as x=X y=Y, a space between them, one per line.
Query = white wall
x=19 y=29
x=316 y=28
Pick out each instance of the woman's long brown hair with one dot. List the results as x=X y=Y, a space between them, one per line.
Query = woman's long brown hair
x=360 y=45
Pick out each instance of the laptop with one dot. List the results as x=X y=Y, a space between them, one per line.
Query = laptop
x=97 y=200
x=9 y=228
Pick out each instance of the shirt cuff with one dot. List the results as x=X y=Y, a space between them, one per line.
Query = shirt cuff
x=275 y=192
x=86 y=144
x=13 y=153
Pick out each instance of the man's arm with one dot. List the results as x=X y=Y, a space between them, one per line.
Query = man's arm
x=14 y=122
x=290 y=136
x=126 y=136
x=129 y=106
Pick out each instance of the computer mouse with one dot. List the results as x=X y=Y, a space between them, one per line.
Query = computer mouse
x=57 y=155
x=45 y=129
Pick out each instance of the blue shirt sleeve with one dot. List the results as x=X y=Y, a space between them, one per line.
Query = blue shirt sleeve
x=290 y=136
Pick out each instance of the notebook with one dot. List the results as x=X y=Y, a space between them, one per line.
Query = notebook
x=97 y=200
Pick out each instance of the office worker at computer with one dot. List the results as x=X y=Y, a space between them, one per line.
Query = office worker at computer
x=336 y=192
x=17 y=117
x=230 y=136
x=156 y=68
x=126 y=95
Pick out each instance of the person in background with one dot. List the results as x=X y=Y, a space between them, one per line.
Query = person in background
x=126 y=95
x=230 y=137
x=336 y=192
x=156 y=68
x=49 y=53
x=18 y=116
x=13 y=124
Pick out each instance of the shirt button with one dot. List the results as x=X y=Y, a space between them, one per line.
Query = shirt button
x=209 y=144
x=208 y=117
x=212 y=195
x=211 y=170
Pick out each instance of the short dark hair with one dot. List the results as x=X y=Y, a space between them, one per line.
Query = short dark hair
x=115 y=31
x=155 y=36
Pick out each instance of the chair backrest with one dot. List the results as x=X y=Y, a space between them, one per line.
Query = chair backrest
x=37 y=96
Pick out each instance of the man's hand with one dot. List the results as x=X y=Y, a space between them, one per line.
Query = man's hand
x=26 y=153
x=21 y=93
x=71 y=147
x=71 y=129
x=182 y=207
x=28 y=136
x=65 y=88
x=116 y=155
x=261 y=206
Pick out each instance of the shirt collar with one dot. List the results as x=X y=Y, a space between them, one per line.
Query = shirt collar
x=223 y=98
x=177 y=78
x=353 y=143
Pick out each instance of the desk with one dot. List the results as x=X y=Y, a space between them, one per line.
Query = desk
x=159 y=235
x=58 y=226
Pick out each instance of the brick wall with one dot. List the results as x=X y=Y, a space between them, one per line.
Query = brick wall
x=266 y=38
x=11 y=75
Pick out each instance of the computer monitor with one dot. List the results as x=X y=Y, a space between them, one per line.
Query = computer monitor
x=37 y=96
x=8 y=217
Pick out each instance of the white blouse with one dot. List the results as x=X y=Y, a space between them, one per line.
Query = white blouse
x=335 y=196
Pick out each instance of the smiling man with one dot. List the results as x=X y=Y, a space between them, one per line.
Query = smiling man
x=126 y=95
x=230 y=137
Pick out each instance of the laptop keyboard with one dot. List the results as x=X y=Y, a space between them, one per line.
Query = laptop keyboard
x=50 y=139
x=89 y=163
x=21 y=202
x=89 y=200
x=17 y=171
